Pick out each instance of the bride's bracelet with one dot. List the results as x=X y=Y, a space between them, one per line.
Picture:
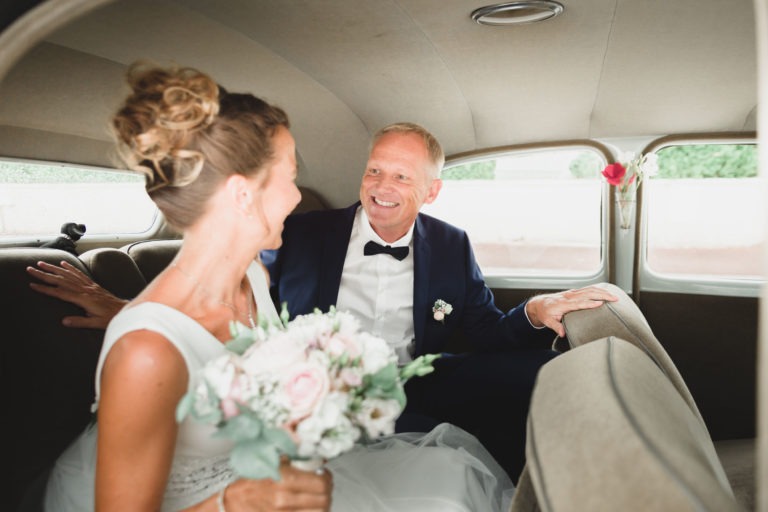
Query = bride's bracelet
x=220 y=499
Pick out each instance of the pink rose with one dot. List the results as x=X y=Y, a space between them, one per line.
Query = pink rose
x=351 y=377
x=614 y=173
x=229 y=403
x=304 y=387
x=338 y=344
x=229 y=408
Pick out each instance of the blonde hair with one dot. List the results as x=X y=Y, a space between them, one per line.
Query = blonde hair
x=434 y=149
x=188 y=135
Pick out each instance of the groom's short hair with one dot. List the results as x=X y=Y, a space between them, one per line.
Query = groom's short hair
x=434 y=149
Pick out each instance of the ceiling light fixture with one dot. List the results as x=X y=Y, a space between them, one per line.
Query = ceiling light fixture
x=513 y=13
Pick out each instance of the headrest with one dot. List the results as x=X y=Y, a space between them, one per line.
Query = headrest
x=607 y=431
x=114 y=270
x=152 y=256
x=310 y=201
x=623 y=319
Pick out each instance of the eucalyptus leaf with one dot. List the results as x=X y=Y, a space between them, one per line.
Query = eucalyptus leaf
x=385 y=378
x=184 y=407
x=281 y=440
x=255 y=459
x=242 y=427
x=240 y=343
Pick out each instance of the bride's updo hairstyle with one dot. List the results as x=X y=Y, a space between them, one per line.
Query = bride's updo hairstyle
x=188 y=135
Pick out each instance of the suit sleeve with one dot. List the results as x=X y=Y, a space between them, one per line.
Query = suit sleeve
x=485 y=325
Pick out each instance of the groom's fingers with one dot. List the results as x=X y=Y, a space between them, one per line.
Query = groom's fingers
x=84 y=322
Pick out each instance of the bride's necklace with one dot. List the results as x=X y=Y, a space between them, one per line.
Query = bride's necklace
x=207 y=292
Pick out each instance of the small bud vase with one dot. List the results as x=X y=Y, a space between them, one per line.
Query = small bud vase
x=625 y=205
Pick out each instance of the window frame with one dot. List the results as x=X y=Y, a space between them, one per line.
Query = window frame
x=100 y=239
x=551 y=281
x=647 y=280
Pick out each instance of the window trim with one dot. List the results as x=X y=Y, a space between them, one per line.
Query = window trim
x=644 y=278
x=552 y=281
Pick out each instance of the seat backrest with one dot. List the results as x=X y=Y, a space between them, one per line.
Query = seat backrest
x=46 y=371
x=624 y=320
x=115 y=270
x=152 y=256
x=607 y=432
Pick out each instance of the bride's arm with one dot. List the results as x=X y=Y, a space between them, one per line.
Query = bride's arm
x=143 y=379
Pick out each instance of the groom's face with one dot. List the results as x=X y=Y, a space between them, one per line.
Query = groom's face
x=398 y=179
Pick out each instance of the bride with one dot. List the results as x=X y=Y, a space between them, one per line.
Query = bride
x=221 y=167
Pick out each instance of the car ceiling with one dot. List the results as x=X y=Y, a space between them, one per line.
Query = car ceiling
x=603 y=69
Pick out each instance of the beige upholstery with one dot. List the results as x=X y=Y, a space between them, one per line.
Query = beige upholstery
x=624 y=320
x=607 y=431
x=152 y=256
x=114 y=270
x=525 y=499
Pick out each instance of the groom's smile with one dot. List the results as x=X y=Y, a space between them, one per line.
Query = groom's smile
x=386 y=204
x=396 y=183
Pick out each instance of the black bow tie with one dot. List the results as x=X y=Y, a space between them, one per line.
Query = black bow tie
x=372 y=248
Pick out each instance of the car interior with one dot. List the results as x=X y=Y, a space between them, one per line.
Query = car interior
x=658 y=400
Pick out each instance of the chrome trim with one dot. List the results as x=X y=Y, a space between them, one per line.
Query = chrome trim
x=513 y=13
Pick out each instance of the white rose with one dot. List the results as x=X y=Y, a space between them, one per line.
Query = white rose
x=327 y=417
x=342 y=440
x=220 y=374
x=274 y=356
x=377 y=416
x=376 y=353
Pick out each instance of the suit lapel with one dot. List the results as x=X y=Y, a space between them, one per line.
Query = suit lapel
x=335 y=247
x=422 y=255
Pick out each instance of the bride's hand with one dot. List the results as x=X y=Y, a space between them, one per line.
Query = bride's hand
x=297 y=490
x=67 y=283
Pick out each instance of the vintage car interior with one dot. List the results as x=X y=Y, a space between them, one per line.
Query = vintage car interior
x=656 y=403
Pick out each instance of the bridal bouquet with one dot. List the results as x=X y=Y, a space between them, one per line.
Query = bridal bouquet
x=308 y=389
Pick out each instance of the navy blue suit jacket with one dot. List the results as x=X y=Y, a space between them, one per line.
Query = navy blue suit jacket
x=306 y=273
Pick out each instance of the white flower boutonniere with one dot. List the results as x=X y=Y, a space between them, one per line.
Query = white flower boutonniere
x=441 y=309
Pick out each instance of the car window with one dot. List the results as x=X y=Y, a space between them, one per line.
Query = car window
x=705 y=212
x=37 y=198
x=534 y=212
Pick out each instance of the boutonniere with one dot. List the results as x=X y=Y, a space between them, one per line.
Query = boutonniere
x=441 y=309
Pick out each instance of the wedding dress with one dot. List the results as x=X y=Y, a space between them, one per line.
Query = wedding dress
x=444 y=470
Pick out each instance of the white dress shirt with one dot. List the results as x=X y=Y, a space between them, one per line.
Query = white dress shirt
x=378 y=289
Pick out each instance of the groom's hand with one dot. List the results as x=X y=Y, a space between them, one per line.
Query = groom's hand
x=548 y=309
x=67 y=283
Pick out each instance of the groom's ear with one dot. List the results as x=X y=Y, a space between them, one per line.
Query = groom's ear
x=434 y=190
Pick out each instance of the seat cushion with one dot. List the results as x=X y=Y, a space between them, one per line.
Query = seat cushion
x=608 y=432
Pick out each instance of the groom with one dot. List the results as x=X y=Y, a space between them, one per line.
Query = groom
x=390 y=266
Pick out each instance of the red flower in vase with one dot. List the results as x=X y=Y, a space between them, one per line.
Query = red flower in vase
x=614 y=174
